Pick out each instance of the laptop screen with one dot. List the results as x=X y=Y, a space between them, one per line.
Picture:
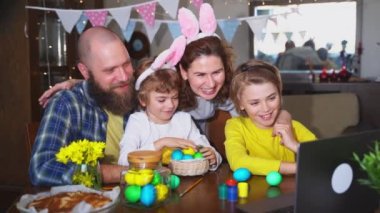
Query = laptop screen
x=327 y=175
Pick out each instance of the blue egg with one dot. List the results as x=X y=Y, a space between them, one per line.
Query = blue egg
x=148 y=195
x=177 y=155
x=187 y=157
x=242 y=174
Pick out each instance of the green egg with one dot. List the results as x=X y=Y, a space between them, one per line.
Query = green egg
x=198 y=155
x=132 y=193
x=273 y=178
x=157 y=179
x=174 y=181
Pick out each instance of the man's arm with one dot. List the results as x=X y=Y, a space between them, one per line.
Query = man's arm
x=111 y=173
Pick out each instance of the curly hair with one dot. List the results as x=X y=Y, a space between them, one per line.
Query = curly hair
x=253 y=72
x=206 y=46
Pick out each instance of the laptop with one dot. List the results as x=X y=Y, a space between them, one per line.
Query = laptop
x=326 y=180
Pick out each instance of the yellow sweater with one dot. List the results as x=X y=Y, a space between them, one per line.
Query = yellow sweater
x=248 y=146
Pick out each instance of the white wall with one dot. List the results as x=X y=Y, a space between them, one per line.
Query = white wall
x=370 y=64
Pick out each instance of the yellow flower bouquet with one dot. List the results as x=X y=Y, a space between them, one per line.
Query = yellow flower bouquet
x=85 y=155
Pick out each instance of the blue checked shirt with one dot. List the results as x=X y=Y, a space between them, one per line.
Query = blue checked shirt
x=70 y=115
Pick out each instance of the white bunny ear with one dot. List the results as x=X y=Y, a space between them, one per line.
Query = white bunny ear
x=178 y=48
x=188 y=22
x=207 y=20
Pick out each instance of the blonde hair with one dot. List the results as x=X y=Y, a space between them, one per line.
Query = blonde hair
x=253 y=72
x=162 y=81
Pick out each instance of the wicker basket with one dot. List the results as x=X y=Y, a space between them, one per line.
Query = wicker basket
x=189 y=167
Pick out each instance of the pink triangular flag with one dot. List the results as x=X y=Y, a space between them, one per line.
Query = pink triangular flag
x=197 y=3
x=147 y=12
x=69 y=18
x=96 y=17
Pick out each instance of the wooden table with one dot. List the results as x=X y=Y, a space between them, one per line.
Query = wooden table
x=204 y=197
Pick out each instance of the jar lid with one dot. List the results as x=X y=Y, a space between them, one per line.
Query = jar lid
x=144 y=156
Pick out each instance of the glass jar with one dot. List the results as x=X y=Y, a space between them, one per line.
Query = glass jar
x=88 y=176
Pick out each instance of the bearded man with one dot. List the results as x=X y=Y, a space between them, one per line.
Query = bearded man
x=96 y=109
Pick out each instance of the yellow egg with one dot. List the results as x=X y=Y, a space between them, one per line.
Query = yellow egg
x=162 y=192
x=143 y=178
x=188 y=151
x=166 y=155
x=130 y=177
x=146 y=171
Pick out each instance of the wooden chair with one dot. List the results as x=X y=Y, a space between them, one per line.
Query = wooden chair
x=31 y=132
x=215 y=130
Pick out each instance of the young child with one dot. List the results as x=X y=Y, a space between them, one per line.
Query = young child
x=158 y=124
x=256 y=93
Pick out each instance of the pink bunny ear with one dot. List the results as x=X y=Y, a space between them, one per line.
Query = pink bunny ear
x=207 y=20
x=188 y=22
x=161 y=59
x=178 y=48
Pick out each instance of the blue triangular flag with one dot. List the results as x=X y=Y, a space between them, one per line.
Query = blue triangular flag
x=128 y=31
x=81 y=24
x=229 y=28
x=174 y=29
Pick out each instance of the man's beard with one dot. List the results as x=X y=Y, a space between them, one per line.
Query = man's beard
x=115 y=103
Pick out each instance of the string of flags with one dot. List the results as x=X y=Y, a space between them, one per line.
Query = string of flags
x=102 y=17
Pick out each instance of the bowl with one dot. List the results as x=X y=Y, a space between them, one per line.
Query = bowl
x=192 y=167
x=144 y=159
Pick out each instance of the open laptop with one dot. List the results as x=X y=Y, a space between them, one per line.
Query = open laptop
x=326 y=179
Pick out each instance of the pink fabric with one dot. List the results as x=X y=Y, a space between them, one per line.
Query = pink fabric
x=207 y=20
x=97 y=18
x=188 y=22
x=147 y=12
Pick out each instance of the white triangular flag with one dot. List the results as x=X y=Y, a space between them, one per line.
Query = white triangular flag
x=121 y=15
x=68 y=18
x=257 y=25
x=170 y=6
x=151 y=31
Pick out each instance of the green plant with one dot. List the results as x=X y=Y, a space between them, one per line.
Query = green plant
x=370 y=163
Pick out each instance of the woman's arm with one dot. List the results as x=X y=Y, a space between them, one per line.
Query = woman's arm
x=68 y=84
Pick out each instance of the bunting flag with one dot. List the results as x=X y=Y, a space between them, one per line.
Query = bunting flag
x=128 y=31
x=273 y=19
x=197 y=3
x=302 y=34
x=151 y=31
x=170 y=6
x=96 y=17
x=275 y=36
x=68 y=18
x=229 y=28
x=257 y=25
x=288 y=35
x=121 y=16
x=175 y=29
x=147 y=12
x=108 y=20
x=81 y=24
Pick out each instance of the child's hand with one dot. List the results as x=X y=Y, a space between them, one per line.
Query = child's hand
x=285 y=131
x=209 y=154
x=283 y=118
x=173 y=142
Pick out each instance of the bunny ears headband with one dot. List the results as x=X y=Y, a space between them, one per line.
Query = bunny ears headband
x=190 y=32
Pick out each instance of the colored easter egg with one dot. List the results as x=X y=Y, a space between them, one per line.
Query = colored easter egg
x=148 y=195
x=162 y=192
x=177 y=155
x=273 y=178
x=174 y=181
x=198 y=155
x=166 y=155
x=241 y=174
x=188 y=151
x=187 y=157
x=231 y=182
x=130 y=177
x=157 y=178
x=143 y=178
x=132 y=193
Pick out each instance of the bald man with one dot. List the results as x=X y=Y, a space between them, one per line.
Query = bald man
x=96 y=109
